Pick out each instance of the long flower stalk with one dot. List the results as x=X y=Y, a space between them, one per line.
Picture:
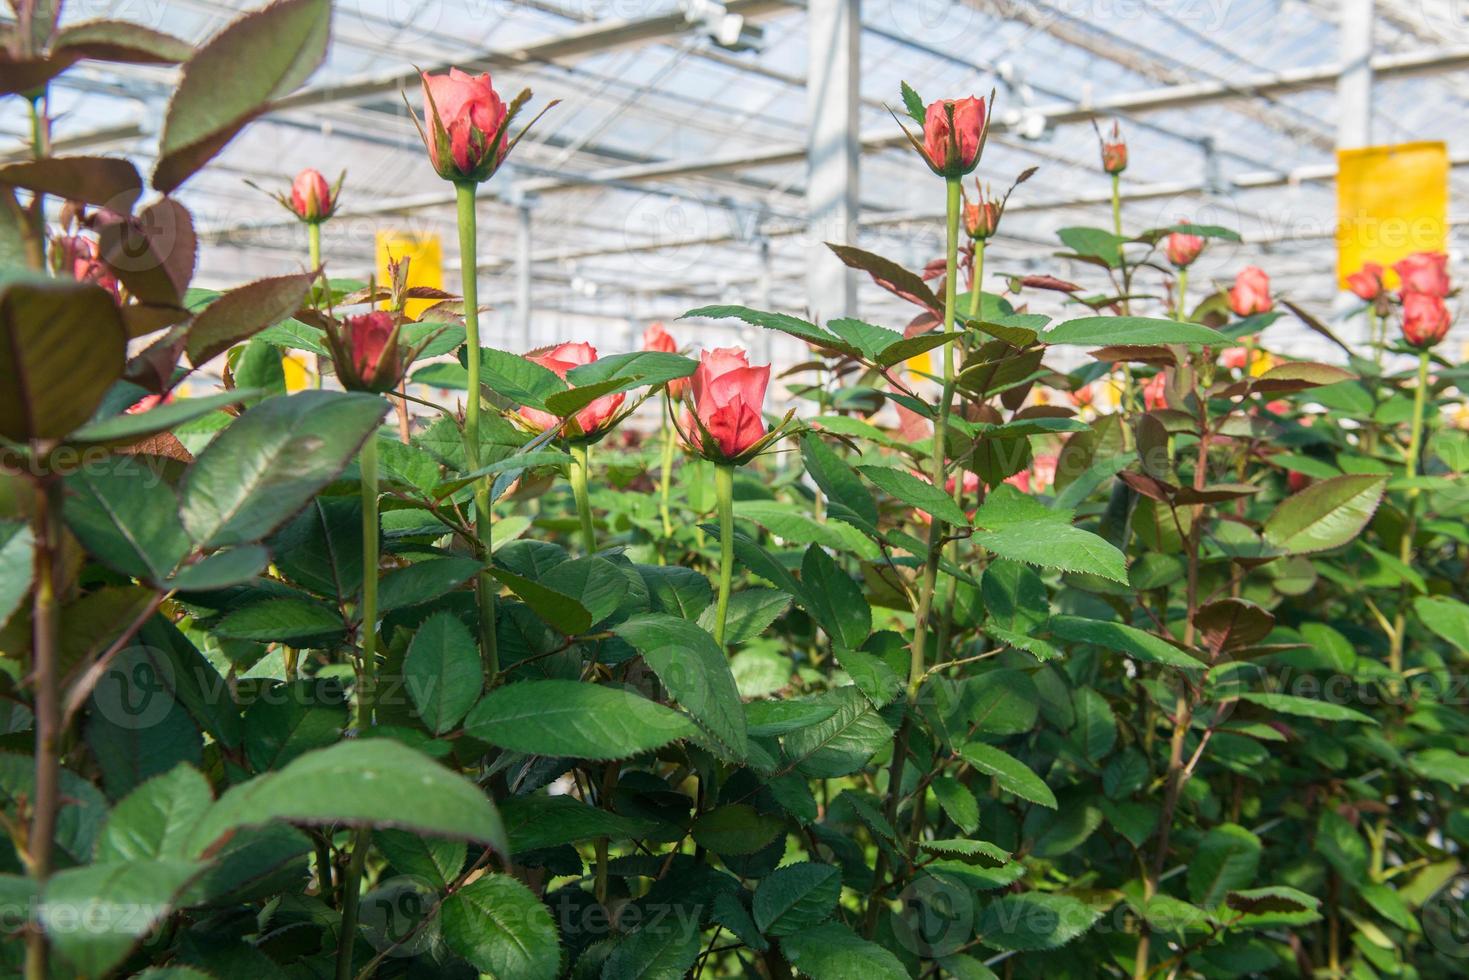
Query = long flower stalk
x=45 y=647
x=1180 y=311
x=366 y=695
x=665 y=477
x=1410 y=525
x=485 y=585
x=946 y=625
x=580 y=490
x=938 y=462
x=724 y=495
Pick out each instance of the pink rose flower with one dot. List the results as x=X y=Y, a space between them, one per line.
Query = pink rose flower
x=1424 y=272
x=466 y=117
x=728 y=394
x=1425 y=319
x=1155 y=392
x=560 y=360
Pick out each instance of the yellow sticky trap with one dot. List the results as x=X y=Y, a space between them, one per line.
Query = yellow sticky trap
x=425 y=256
x=920 y=365
x=1391 y=201
x=1261 y=363
x=298 y=375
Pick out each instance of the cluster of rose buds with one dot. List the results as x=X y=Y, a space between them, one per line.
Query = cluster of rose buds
x=722 y=417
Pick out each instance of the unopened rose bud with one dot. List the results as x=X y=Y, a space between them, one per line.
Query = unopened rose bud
x=1366 y=282
x=311 y=196
x=370 y=350
x=1114 y=151
x=953 y=131
x=1155 y=392
x=467 y=133
x=1183 y=249
x=1251 y=292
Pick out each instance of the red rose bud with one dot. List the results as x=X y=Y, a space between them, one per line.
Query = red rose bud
x=1155 y=392
x=1297 y=481
x=366 y=352
x=1424 y=272
x=1366 y=282
x=468 y=132
x=591 y=420
x=1083 y=396
x=728 y=394
x=1183 y=249
x=982 y=220
x=77 y=256
x=656 y=338
x=1251 y=292
x=953 y=131
x=311 y=196
x=1425 y=319
x=1114 y=151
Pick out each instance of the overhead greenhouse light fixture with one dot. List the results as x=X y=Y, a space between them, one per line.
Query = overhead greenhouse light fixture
x=729 y=31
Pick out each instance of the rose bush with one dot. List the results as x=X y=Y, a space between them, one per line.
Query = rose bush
x=1110 y=646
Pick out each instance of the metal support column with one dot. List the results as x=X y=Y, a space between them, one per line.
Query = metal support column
x=832 y=152
x=1354 y=85
x=522 y=275
x=764 y=300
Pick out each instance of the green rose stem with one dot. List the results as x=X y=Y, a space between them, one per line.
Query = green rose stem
x=930 y=567
x=580 y=466
x=937 y=463
x=1180 y=311
x=1410 y=525
x=45 y=630
x=485 y=585
x=724 y=494
x=665 y=482
x=313 y=243
x=1127 y=383
x=946 y=625
x=366 y=696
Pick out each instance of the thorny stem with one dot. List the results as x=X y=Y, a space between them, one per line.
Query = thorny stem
x=724 y=494
x=935 y=548
x=45 y=631
x=1182 y=716
x=485 y=585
